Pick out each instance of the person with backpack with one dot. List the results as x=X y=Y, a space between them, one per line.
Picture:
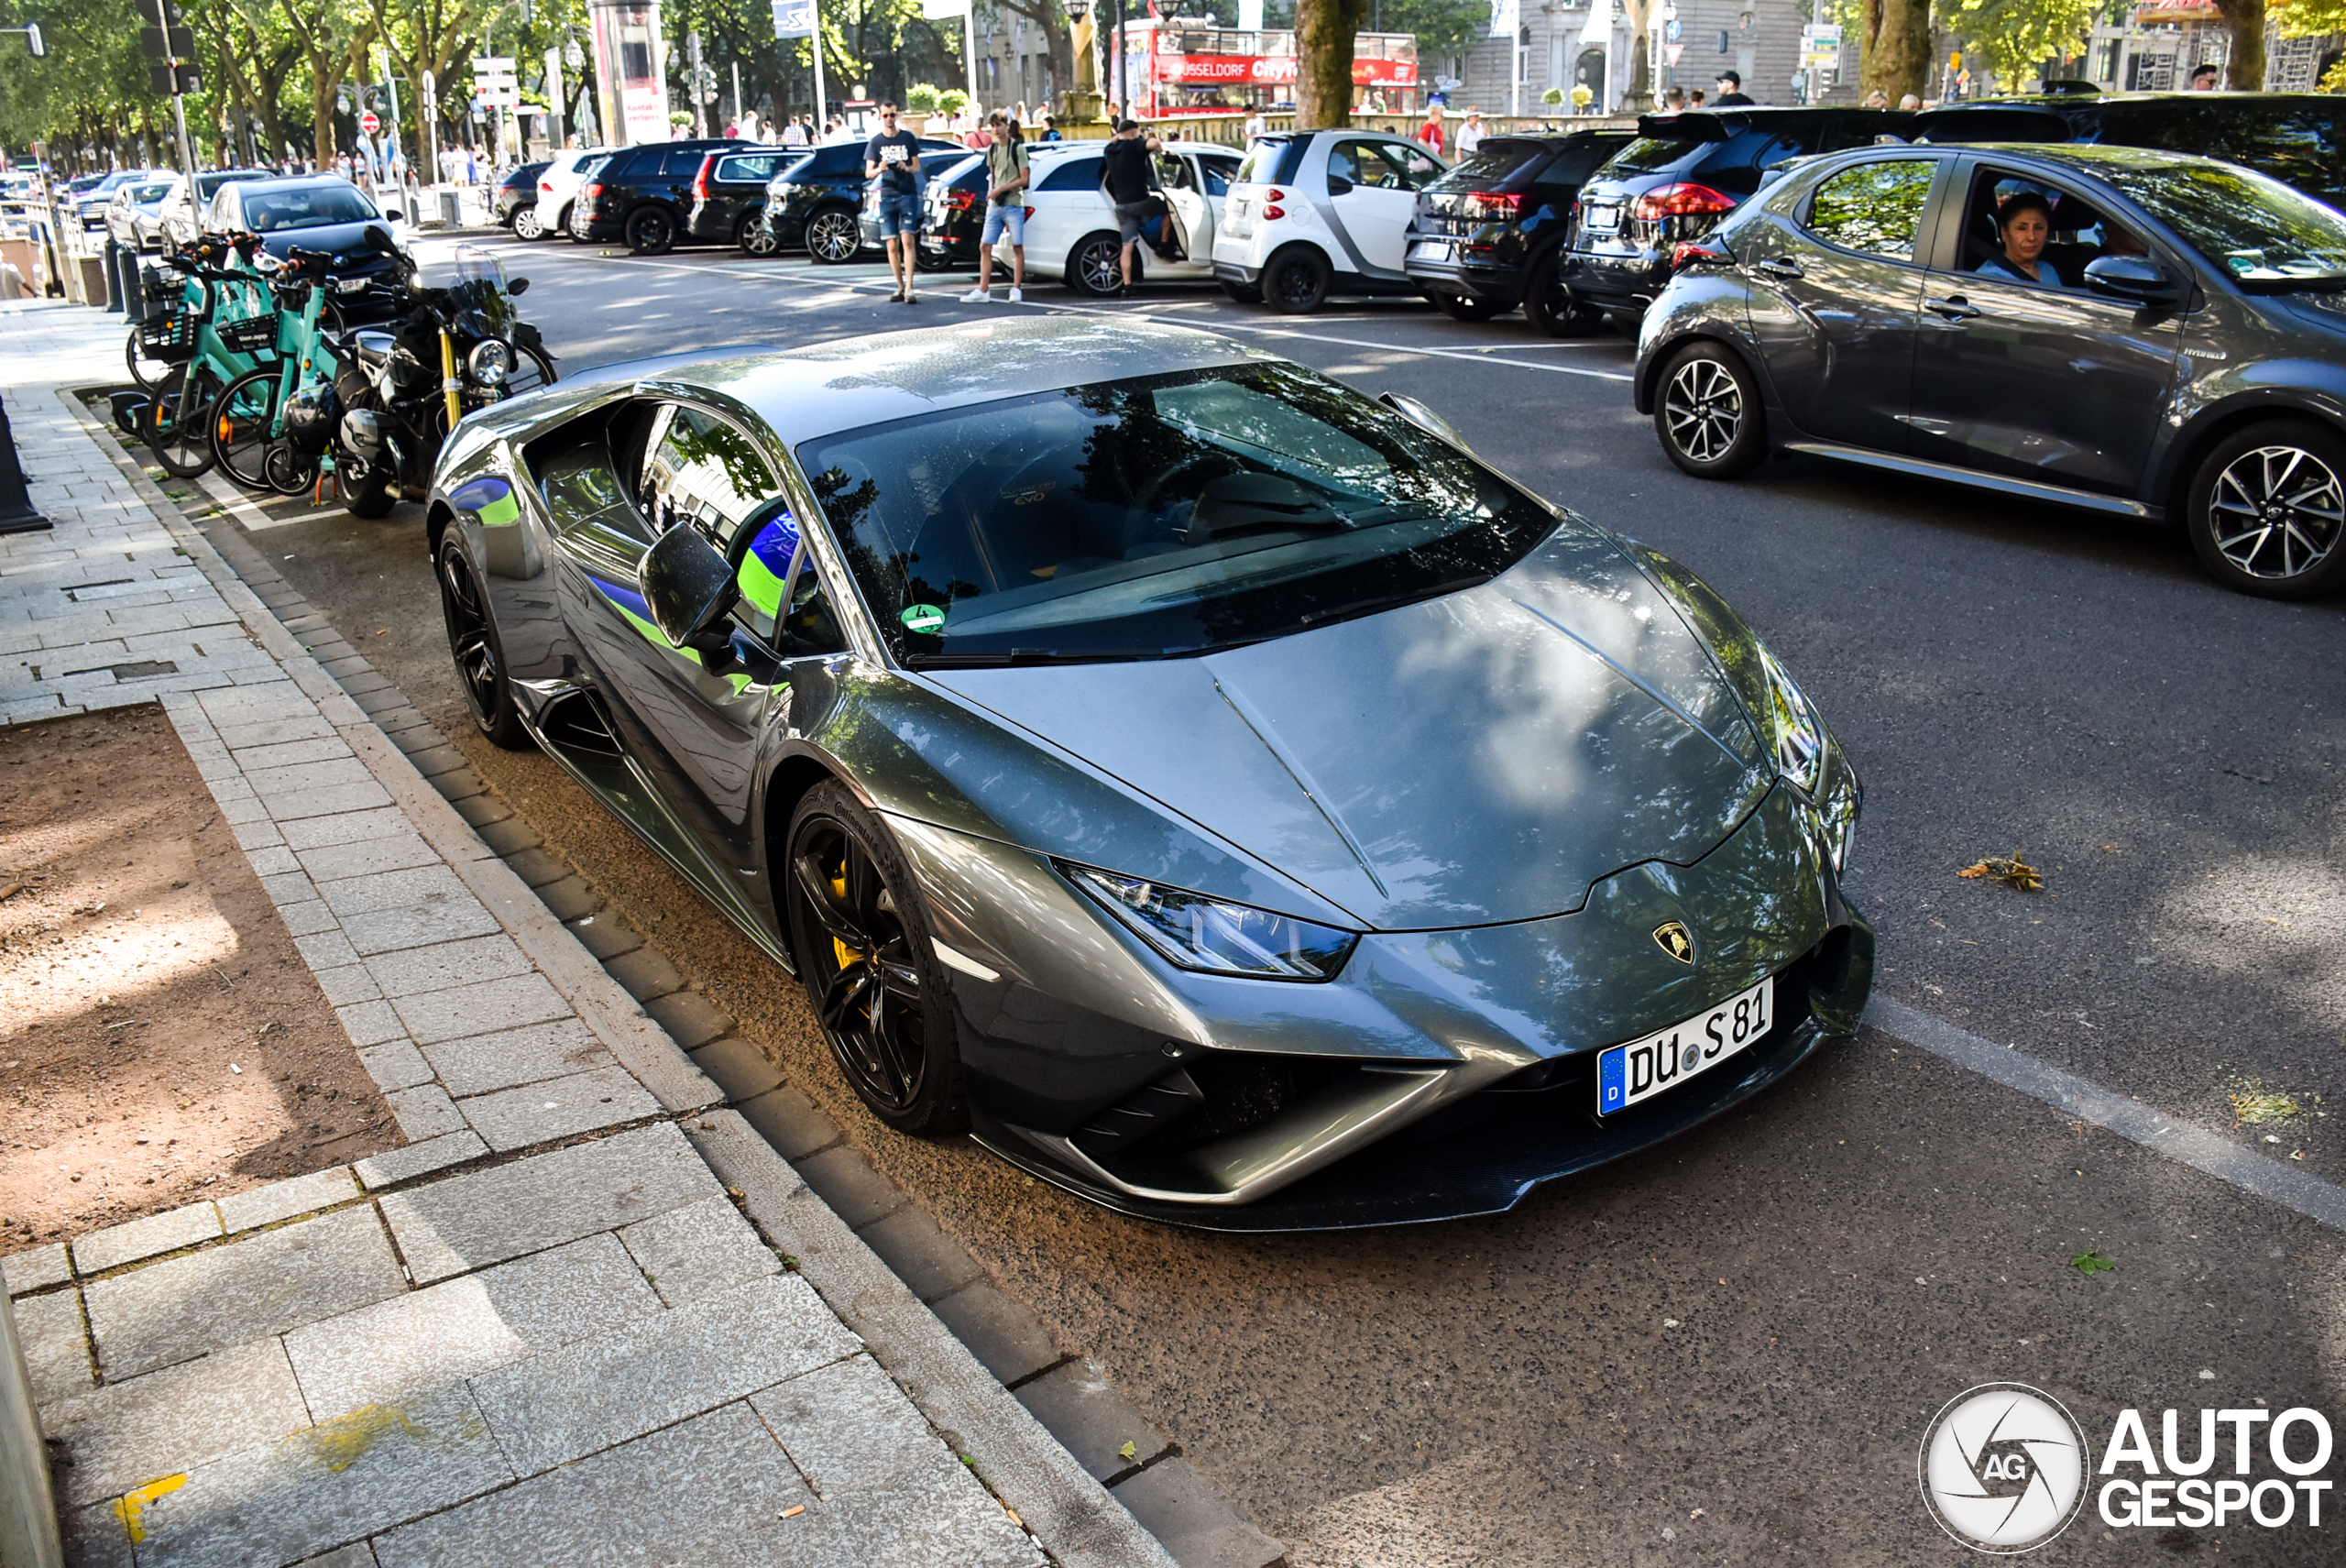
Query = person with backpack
x=1129 y=184
x=1006 y=178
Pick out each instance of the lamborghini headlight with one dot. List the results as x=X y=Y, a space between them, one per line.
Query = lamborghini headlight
x=1798 y=734
x=1214 y=938
x=489 y=362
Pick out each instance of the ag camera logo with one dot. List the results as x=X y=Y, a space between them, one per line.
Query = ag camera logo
x=2004 y=1468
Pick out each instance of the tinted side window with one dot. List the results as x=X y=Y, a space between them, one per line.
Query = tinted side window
x=2297 y=146
x=632 y=166
x=1735 y=165
x=1074 y=174
x=1876 y=207
x=683 y=163
x=758 y=167
x=705 y=473
x=1575 y=164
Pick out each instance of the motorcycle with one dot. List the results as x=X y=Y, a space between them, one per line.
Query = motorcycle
x=403 y=386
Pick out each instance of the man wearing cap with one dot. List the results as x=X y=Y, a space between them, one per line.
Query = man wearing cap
x=1730 y=91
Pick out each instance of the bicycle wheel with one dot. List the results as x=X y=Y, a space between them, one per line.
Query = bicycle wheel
x=174 y=425
x=148 y=373
x=244 y=426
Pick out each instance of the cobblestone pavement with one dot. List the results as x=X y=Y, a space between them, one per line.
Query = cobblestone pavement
x=584 y=1311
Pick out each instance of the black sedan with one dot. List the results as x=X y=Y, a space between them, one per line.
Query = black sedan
x=317 y=212
x=1491 y=233
x=729 y=196
x=2143 y=334
x=813 y=201
x=516 y=203
x=1682 y=174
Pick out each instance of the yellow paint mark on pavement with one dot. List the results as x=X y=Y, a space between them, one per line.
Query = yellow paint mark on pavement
x=132 y=1509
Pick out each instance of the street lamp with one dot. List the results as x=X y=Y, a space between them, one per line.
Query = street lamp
x=33 y=40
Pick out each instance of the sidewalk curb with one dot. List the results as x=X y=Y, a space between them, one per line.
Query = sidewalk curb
x=1071 y=1515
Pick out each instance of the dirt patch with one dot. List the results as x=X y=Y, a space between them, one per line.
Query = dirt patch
x=160 y=1038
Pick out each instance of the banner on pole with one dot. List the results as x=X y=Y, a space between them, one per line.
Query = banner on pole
x=1506 y=18
x=793 y=18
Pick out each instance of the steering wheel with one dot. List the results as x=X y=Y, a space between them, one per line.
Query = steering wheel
x=1146 y=498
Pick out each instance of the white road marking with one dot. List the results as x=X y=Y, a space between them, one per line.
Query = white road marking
x=253 y=519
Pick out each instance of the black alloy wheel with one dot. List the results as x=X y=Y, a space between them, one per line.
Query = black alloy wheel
x=1461 y=308
x=1095 y=267
x=1548 y=303
x=650 y=231
x=871 y=976
x=754 y=238
x=525 y=222
x=177 y=426
x=1708 y=415
x=2266 y=510
x=832 y=236
x=473 y=642
x=1297 y=281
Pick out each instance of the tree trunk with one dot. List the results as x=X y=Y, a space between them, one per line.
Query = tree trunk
x=1894 y=47
x=1324 y=30
x=2246 y=20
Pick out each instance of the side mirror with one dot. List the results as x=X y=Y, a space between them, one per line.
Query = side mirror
x=690 y=591
x=518 y=287
x=377 y=236
x=1338 y=185
x=2133 y=277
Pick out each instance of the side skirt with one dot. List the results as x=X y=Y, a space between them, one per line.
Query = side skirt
x=1922 y=468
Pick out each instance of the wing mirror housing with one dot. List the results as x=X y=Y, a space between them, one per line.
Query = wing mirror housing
x=518 y=287
x=691 y=592
x=2134 y=278
x=1338 y=185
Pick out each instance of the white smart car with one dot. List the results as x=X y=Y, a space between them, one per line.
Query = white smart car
x=1321 y=213
x=1072 y=228
x=558 y=185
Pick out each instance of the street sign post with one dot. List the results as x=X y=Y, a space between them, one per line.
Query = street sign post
x=370 y=122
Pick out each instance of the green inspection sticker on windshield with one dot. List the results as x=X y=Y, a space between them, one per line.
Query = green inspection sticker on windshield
x=926 y=619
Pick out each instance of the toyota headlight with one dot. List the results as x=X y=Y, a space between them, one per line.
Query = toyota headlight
x=489 y=362
x=1214 y=938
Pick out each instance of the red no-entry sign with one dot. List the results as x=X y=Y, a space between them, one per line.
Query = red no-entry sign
x=369 y=122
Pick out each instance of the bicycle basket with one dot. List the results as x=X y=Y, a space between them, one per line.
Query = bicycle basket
x=255 y=334
x=162 y=285
x=170 y=337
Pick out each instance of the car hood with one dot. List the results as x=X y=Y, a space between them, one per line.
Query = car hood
x=345 y=242
x=1479 y=757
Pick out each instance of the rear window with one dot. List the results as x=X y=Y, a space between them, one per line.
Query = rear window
x=1074 y=174
x=756 y=166
x=1653 y=154
x=1273 y=162
x=1491 y=164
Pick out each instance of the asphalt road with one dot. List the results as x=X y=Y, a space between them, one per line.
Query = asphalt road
x=1725 y=1349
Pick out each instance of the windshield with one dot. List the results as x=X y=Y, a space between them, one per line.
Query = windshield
x=1154 y=517
x=2246 y=225
x=273 y=212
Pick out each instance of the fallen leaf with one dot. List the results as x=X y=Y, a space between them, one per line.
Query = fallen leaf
x=2091 y=1261
x=2011 y=870
x=1129 y=1452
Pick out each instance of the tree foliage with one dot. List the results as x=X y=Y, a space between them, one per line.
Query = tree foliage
x=2016 y=38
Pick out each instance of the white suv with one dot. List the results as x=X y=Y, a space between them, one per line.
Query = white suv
x=1072 y=228
x=1321 y=213
x=558 y=185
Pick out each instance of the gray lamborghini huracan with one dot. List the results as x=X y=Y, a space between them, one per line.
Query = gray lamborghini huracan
x=1219 y=792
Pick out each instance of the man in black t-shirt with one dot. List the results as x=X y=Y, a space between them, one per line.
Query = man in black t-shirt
x=892 y=161
x=1127 y=174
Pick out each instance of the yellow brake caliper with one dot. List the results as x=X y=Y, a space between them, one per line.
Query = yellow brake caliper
x=839 y=887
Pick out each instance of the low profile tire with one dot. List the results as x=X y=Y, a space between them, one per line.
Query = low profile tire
x=754 y=238
x=1706 y=412
x=473 y=642
x=650 y=231
x=1095 y=267
x=1295 y=282
x=871 y=975
x=1548 y=303
x=526 y=224
x=833 y=237
x=2266 y=510
x=1244 y=293
x=1459 y=308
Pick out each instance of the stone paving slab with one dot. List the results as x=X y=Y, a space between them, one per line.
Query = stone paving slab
x=23 y=1271
x=191 y=1306
x=148 y=1237
x=285 y=1199
x=541 y=1113
x=129 y=1433
x=845 y=1426
x=478 y=1064
x=698 y=1250
x=56 y=1346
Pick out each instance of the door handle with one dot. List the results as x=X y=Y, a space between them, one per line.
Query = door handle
x=1954 y=307
x=1781 y=266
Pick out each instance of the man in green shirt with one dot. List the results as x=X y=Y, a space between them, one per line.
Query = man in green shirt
x=1006 y=179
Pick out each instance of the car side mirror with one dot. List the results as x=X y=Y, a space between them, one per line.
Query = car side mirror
x=691 y=592
x=377 y=236
x=1338 y=185
x=2133 y=277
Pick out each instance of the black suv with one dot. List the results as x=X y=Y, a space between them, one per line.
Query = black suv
x=1682 y=174
x=812 y=203
x=729 y=195
x=644 y=194
x=2293 y=136
x=1490 y=234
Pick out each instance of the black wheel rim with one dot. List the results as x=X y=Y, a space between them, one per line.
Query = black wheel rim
x=867 y=989
x=2276 y=511
x=831 y=236
x=291 y=473
x=468 y=640
x=148 y=373
x=1295 y=288
x=1098 y=267
x=177 y=424
x=1702 y=409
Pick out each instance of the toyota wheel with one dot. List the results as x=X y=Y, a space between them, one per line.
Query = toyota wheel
x=2267 y=508
x=1708 y=414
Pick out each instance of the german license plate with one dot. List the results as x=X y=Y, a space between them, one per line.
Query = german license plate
x=1604 y=219
x=1627 y=1075
x=1431 y=250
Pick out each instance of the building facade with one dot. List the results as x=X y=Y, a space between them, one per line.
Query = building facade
x=1590 y=43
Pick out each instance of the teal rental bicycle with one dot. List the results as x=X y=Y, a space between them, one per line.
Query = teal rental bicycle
x=225 y=324
x=250 y=418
